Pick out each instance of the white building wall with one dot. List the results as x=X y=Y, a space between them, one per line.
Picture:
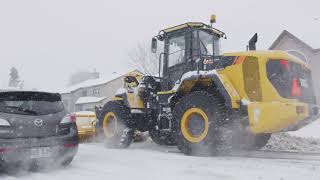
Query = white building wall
x=105 y=90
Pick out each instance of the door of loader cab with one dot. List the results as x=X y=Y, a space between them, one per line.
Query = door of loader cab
x=174 y=65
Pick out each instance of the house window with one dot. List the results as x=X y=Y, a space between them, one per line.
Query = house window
x=96 y=92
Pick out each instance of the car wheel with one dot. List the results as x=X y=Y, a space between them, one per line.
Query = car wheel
x=67 y=161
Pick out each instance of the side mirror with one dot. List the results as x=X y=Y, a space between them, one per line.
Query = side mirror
x=154 y=45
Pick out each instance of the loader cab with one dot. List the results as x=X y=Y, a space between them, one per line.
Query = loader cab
x=187 y=47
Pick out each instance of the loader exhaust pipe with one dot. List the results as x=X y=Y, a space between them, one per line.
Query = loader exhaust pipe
x=252 y=43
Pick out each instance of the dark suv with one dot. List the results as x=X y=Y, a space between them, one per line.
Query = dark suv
x=34 y=127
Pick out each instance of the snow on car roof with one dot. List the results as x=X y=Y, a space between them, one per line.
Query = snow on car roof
x=95 y=82
x=88 y=99
x=16 y=89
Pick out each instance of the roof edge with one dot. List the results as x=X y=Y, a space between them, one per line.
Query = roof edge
x=287 y=33
x=99 y=84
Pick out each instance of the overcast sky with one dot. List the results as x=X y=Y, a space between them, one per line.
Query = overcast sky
x=48 y=40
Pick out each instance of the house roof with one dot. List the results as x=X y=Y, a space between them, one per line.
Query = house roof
x=96 y=82
x=88 y=100
x=286 y=33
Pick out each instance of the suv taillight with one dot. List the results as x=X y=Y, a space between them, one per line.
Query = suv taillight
x=73 y=118
x=68 y=119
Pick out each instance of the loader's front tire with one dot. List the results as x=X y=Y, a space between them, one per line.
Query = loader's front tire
x=198 y=116
x=114 y=125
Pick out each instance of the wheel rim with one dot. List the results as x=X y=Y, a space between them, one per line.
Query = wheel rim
x=110 y=124
x=194 y=125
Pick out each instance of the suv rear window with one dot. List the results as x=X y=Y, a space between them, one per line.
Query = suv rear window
x=30 y=103
x=291 y=80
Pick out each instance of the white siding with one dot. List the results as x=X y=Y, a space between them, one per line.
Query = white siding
x=105 y=90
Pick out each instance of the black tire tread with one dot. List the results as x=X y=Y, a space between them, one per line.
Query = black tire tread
x=213 y=104
x=125 y=137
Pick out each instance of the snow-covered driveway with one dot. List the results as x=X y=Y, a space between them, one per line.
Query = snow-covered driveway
x=147 y=161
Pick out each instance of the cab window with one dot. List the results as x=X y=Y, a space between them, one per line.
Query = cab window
x=176 y=49
x=206 y=43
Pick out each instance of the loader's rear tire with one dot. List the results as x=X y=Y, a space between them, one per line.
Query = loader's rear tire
x=114 y=125
x=243 y=140
x=198 y=117
x=259 y=141
x=162 y=139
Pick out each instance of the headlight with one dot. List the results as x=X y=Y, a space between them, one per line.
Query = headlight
x=4 y=122
x=68 y=119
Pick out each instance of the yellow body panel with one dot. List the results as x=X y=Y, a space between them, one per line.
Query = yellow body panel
x=236 y=81
x=110 y=118
x=272 y=113
x=269 y=54
x=166 y=92
x=86 y=125
x=132 y=94
x=275 y=116
x=230 y=84
x=182 y=26
x=135 y=74
x=193 y=25
x=117 y=98
x=135 y=102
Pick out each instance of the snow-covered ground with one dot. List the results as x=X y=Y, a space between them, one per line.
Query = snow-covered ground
x=312 y=130
x=147 y=161
x=285 y=157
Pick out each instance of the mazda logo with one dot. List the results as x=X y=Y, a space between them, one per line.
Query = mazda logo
x=38 y=122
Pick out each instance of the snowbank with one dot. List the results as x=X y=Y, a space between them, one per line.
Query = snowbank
x=310 y=131
x=287 y=142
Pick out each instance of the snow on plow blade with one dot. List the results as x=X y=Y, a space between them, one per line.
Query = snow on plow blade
x=280 y=117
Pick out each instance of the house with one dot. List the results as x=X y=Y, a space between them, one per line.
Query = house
x=295 y=46
x=95 y=91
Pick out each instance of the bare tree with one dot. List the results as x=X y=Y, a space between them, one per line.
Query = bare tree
x=146 y=61
x=14 y=80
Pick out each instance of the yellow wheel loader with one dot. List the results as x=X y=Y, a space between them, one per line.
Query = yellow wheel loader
x=199 y=95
